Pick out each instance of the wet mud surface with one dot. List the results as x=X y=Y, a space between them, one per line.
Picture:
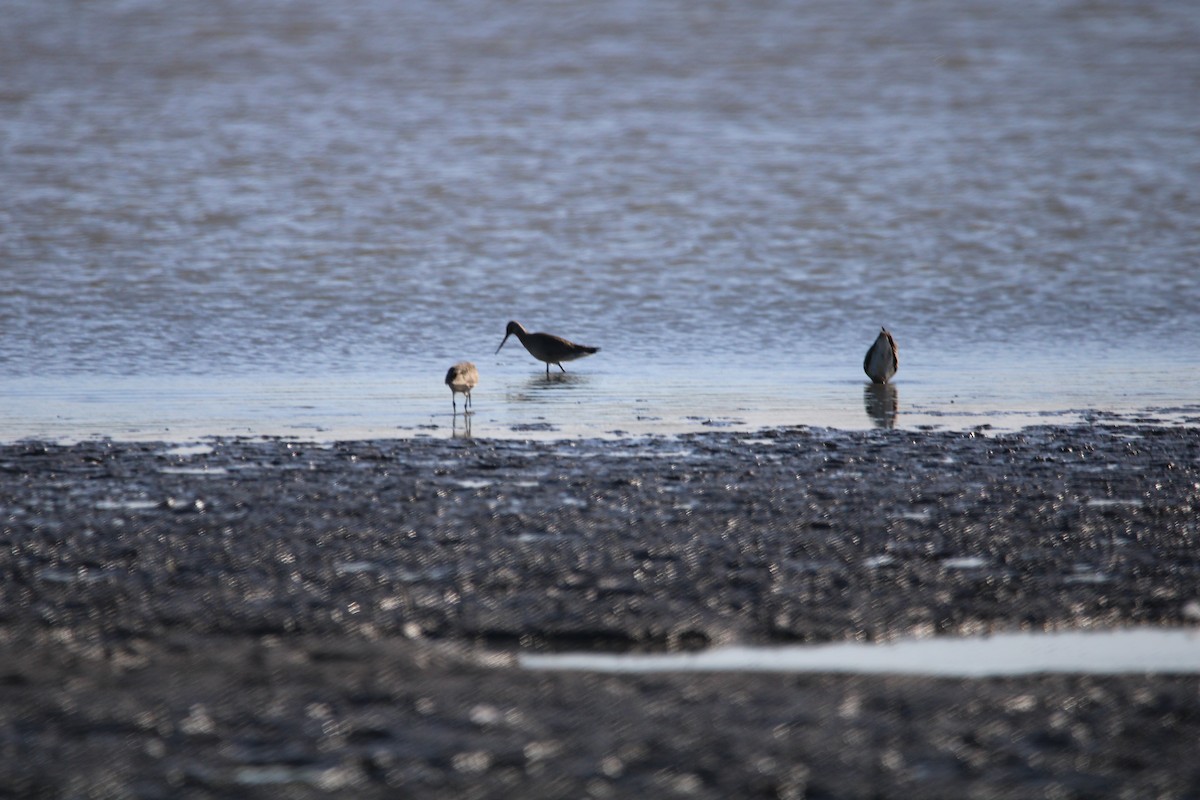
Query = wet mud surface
x=281 y=619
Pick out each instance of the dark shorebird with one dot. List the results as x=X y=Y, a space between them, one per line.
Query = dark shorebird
x=882 y=359
x=462 y=377
x=547 y=347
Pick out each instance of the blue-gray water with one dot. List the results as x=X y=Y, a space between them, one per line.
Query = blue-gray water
x=291 y=217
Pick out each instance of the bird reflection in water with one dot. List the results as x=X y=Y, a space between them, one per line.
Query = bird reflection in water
x=556 y=380
x=462 y=431
x=882 y=401
x=541 y=389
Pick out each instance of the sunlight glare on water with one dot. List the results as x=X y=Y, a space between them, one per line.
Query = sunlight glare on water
x=1131 y=650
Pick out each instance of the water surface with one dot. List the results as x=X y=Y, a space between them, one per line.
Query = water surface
x=292 y=217
x=1114 y=652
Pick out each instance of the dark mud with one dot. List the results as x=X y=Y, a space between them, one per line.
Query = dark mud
x=281 y=619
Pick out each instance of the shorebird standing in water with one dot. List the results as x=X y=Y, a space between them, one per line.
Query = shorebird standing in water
x=547 y=347
x=462 y=377
x=882 y=359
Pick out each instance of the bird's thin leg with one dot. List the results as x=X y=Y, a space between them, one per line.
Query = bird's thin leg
x=560 y=366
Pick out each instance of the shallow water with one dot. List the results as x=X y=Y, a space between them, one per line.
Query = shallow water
x=291 y=217
x=1132 y=650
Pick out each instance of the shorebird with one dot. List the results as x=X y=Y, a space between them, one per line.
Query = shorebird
x=462 y=377
x=882 y=359
x=547 y=347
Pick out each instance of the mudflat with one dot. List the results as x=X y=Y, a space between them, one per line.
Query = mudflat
x=274 y=618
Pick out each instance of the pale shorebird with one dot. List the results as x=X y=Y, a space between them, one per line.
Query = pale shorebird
x=462 y=377
x=547 y=347
x=882 y=359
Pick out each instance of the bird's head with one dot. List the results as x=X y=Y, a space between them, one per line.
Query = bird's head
x=513 y=327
